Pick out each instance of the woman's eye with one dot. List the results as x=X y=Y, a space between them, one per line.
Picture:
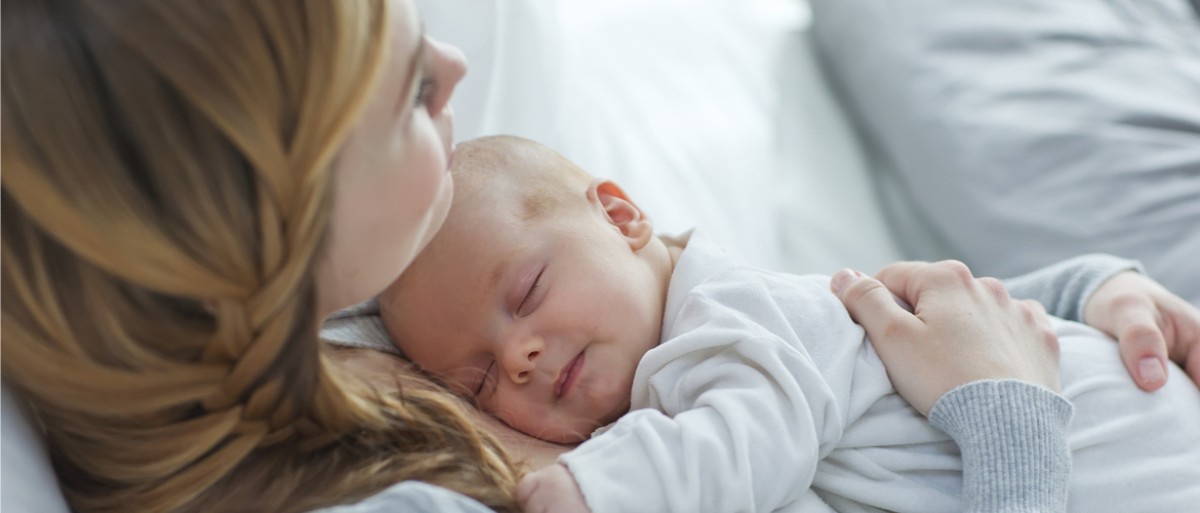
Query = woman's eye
x=529 y=293
x=425 y=92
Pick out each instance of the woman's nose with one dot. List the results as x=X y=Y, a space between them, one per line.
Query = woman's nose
x=449 y=67
x=520 y=358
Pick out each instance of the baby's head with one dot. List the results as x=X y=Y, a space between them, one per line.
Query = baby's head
x=540 y=294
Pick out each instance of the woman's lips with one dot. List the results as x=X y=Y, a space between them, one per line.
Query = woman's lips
x=566 y=378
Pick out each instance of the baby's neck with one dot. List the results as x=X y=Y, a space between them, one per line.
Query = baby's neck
x=670 y=248
x=675 y=246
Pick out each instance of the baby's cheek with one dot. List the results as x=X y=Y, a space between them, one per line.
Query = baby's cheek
x=608 y=397
x=517 y=415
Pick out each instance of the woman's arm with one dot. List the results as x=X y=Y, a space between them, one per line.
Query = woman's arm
x=987 y=367
x=1115 y=296
x=1065 y=287
x=1013 y=440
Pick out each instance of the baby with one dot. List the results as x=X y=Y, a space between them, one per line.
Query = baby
x=548 y=299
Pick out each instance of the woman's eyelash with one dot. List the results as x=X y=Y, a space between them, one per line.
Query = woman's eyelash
x=425 y=91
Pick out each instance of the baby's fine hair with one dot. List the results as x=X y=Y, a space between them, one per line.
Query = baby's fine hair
x=544 y=180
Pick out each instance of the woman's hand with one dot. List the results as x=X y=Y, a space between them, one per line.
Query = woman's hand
x=550 y=490
x=1150 y=323
x=961 y=329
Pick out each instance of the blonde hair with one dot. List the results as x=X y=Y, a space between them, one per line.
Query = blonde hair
x=166 y=191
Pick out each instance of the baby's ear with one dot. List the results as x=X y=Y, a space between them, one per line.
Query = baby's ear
x=622 y=212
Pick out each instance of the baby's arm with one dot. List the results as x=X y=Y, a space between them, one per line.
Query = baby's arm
x=749 y=437
x=550 y=489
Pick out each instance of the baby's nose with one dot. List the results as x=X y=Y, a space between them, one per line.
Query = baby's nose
x=521 y=359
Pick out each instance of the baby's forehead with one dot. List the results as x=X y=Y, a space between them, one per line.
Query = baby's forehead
x=508 y=195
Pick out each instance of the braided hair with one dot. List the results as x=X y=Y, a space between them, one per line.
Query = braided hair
x=166 y=191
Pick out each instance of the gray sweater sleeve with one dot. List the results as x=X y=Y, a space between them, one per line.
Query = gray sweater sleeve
x=1065 y=287
x=1013 y=440
x=1013 y=434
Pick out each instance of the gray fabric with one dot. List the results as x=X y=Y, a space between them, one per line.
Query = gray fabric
x=358 y=326
x=1065 y=287
x=415 y=497
x=1028 y=131
x=27 y=482
x=1013 y=439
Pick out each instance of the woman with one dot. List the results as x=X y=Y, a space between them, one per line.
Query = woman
x=188 y=188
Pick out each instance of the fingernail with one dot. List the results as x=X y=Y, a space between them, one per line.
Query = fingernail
x=1151 y=370
x=841 y=279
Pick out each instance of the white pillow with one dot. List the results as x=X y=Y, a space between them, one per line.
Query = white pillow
x=709 y=113
x=1025 y=133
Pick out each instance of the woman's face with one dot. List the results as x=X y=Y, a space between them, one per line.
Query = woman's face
x=391 y=188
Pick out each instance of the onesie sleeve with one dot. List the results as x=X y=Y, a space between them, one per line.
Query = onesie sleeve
x=743 y=427
x=1013 y=440
x=1065 y=287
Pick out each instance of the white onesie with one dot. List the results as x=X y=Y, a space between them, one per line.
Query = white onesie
x=765 y=396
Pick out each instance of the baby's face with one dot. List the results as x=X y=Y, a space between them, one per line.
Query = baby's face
x=542 y=320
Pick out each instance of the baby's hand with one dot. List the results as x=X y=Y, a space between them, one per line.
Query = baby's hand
x=550 y=489
x=1150 y=323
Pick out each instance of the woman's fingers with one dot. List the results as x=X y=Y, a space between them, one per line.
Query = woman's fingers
x=1192 y=366
x=1142 y=345
x=1151 y=324
x=893 y=331
x=909 y=280
x=964 y=329
x=1182 y=329
x=872 y=305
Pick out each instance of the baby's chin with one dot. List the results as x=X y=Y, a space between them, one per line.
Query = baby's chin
x=576 y=430
x=573 y=433
x=609 y=400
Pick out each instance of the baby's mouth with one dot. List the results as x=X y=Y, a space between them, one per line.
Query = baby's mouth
x=566 y=378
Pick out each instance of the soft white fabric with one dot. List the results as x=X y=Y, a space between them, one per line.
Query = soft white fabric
x=358 y=326
x=709 y=113
x=763 y=386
